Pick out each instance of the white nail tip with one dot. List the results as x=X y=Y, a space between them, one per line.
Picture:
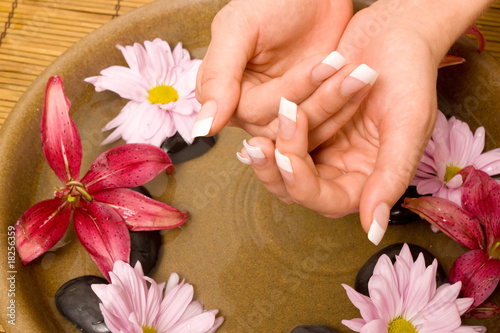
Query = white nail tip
x=288 y=109
x=376 y=233
x=253 y=151
x=335 y=60
x=283 y=161
x=202 y=127
x=365 y=74
x=244 y=160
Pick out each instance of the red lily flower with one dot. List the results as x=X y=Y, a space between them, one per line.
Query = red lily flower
x=103 y=208
x=476 y=226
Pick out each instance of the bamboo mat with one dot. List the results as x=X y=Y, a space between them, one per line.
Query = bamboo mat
x=33 y=33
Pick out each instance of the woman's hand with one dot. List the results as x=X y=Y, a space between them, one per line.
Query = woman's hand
x=254 y=43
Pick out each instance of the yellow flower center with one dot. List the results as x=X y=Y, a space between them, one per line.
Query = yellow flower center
x=400 y=325
x=451 y=171
x=147 y=329
x=163 y=95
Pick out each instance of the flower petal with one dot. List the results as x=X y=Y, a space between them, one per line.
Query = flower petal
x=60 y=139
x=451 y=219
x=126 y=166
x=478 y=273
x=41 y=227
x=484 y=310
x=365 y=305
x=481 y=197
x=140 y=212
x=103 y=233
x=200 y=323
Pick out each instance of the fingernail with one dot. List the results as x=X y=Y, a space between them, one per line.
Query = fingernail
x=361 y=77
x=283 y=161
x=379 y=223
x=329 y=66
x=203 y=123
x=256 y=154
x=287 y=118
x=244 y=160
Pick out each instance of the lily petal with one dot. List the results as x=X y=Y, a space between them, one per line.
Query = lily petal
x=474 y=30
x=451 y=219
x=484 y=310
x=141 y=212
x=126 y=166
x=103 y=234
x=478 y=273
x=41 y=227
x=481 y=197
x=450 y=60
x=60 y=139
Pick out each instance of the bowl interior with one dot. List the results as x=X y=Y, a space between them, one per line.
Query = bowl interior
x=267 y=266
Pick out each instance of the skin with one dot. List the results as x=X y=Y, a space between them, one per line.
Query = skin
x=359 y=153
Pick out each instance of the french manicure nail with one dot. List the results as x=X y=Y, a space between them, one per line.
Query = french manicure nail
x=329 y=66
x=203 y=123
x=379 y=223
x=253 y=151
x=361 y=77
x=283 y=161
x=285 y=166
x=288 y=109
x=256 y=154
x=287 y=118
x=244 y=160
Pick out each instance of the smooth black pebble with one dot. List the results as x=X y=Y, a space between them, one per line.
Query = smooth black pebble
x=364 y=274
x=145 y=247
x=180 y=151
x=400 y=215
x=80 y=305
x=313 y=329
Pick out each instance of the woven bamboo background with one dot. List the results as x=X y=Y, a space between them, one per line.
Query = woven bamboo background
x=35 y=32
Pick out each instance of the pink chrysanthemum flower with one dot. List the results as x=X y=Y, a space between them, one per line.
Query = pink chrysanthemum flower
x=451 y=148
x=128 y=306
x=404 y=298
x=160 y=84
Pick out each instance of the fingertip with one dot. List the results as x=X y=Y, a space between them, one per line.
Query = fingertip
x=204 y=120
x=380 y=221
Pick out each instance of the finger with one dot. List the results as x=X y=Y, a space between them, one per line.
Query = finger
x=401 y=148
x=342 y=94
x=314 y=186
x=259 y=152
x=296 y=84
x=332 y=197
x=219 y=77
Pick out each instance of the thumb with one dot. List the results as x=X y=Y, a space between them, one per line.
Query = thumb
x=219 y=76
x=399 y=156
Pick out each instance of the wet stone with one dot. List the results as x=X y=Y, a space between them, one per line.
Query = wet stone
x=78 y=303
x=142 y=190
x=400 y=215
x=180 y=151
x=145 y=247
x=313 y=329
x=364 y=274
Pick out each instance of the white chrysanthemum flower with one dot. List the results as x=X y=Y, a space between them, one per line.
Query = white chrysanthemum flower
x=160 y=84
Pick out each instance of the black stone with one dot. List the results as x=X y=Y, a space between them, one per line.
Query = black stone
x=400 y=215
x=180 y=151
x=364 y=274
x=313 y=329
x=145 y=247
x=78 y=303
x=142 y=190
